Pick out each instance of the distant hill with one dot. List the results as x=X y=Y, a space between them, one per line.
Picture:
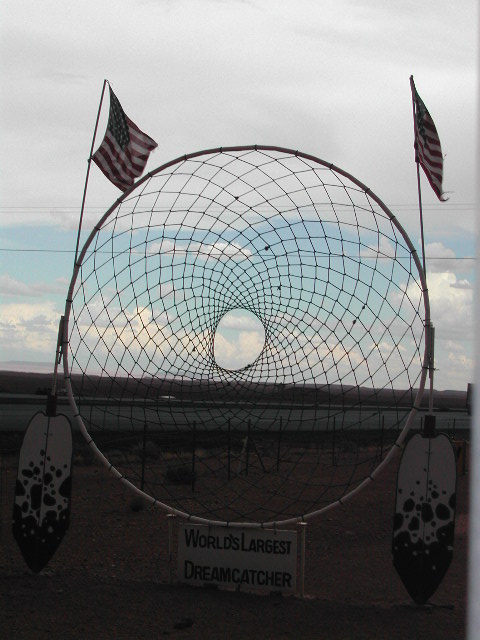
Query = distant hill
x=15 y=382
x=25 y=383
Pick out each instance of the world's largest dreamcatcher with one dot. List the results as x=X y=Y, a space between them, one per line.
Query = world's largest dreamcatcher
x=246 y=336
x=245 y=342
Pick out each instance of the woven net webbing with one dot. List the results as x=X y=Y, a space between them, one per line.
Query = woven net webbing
x=246 y=335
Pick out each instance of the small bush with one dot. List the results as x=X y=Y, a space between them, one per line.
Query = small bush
x=180 y=475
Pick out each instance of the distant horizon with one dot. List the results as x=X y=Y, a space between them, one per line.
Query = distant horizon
x=46 y=368
x=18 y=366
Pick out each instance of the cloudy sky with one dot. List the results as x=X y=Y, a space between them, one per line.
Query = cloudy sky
x=329 y=78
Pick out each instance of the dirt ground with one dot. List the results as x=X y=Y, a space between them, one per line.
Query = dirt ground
x=110 y=576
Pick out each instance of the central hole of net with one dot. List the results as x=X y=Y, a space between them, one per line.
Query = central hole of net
x=239 y=339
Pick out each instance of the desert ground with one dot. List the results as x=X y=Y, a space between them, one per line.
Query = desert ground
x=110 y=577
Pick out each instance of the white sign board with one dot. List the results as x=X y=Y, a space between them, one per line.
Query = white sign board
x=257 y=559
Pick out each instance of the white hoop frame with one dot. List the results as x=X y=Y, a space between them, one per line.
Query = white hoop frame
x=396 y=447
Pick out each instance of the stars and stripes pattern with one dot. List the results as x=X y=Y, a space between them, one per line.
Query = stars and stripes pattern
x=125 y=149
x=428 y=151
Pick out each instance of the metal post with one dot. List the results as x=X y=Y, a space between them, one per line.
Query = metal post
x=193 y=453
x=381 y=437
x=333 y=443
x=171 y=522
x=144 y=446
x=301 y=577
x=247 y=452
x=229 y=449
x=279 y=442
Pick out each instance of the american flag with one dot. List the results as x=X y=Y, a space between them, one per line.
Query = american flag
x=125 y=149
x=428 y=151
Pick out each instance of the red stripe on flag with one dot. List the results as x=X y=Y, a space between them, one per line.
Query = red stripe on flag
x=428 y=150
x=122 y=164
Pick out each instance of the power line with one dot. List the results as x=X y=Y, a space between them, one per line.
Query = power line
x=393 y=207
x=183 y=251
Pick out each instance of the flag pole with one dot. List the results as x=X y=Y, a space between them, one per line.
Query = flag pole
x=429 y=327
x=51 y=400
x=105 y=82
x=419 y=190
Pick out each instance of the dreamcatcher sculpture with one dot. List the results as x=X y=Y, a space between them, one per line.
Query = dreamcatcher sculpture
x=298 y=263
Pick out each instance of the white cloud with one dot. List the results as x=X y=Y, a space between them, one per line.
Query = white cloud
x=218 y=250
x=240 y=322
x=239 y=339
x=442 y=259
x=462 y=284
x=383 y=248
x=238 y=353
x=12 y=287
x=27 y=329
x=452 y=317
x=451 y=306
